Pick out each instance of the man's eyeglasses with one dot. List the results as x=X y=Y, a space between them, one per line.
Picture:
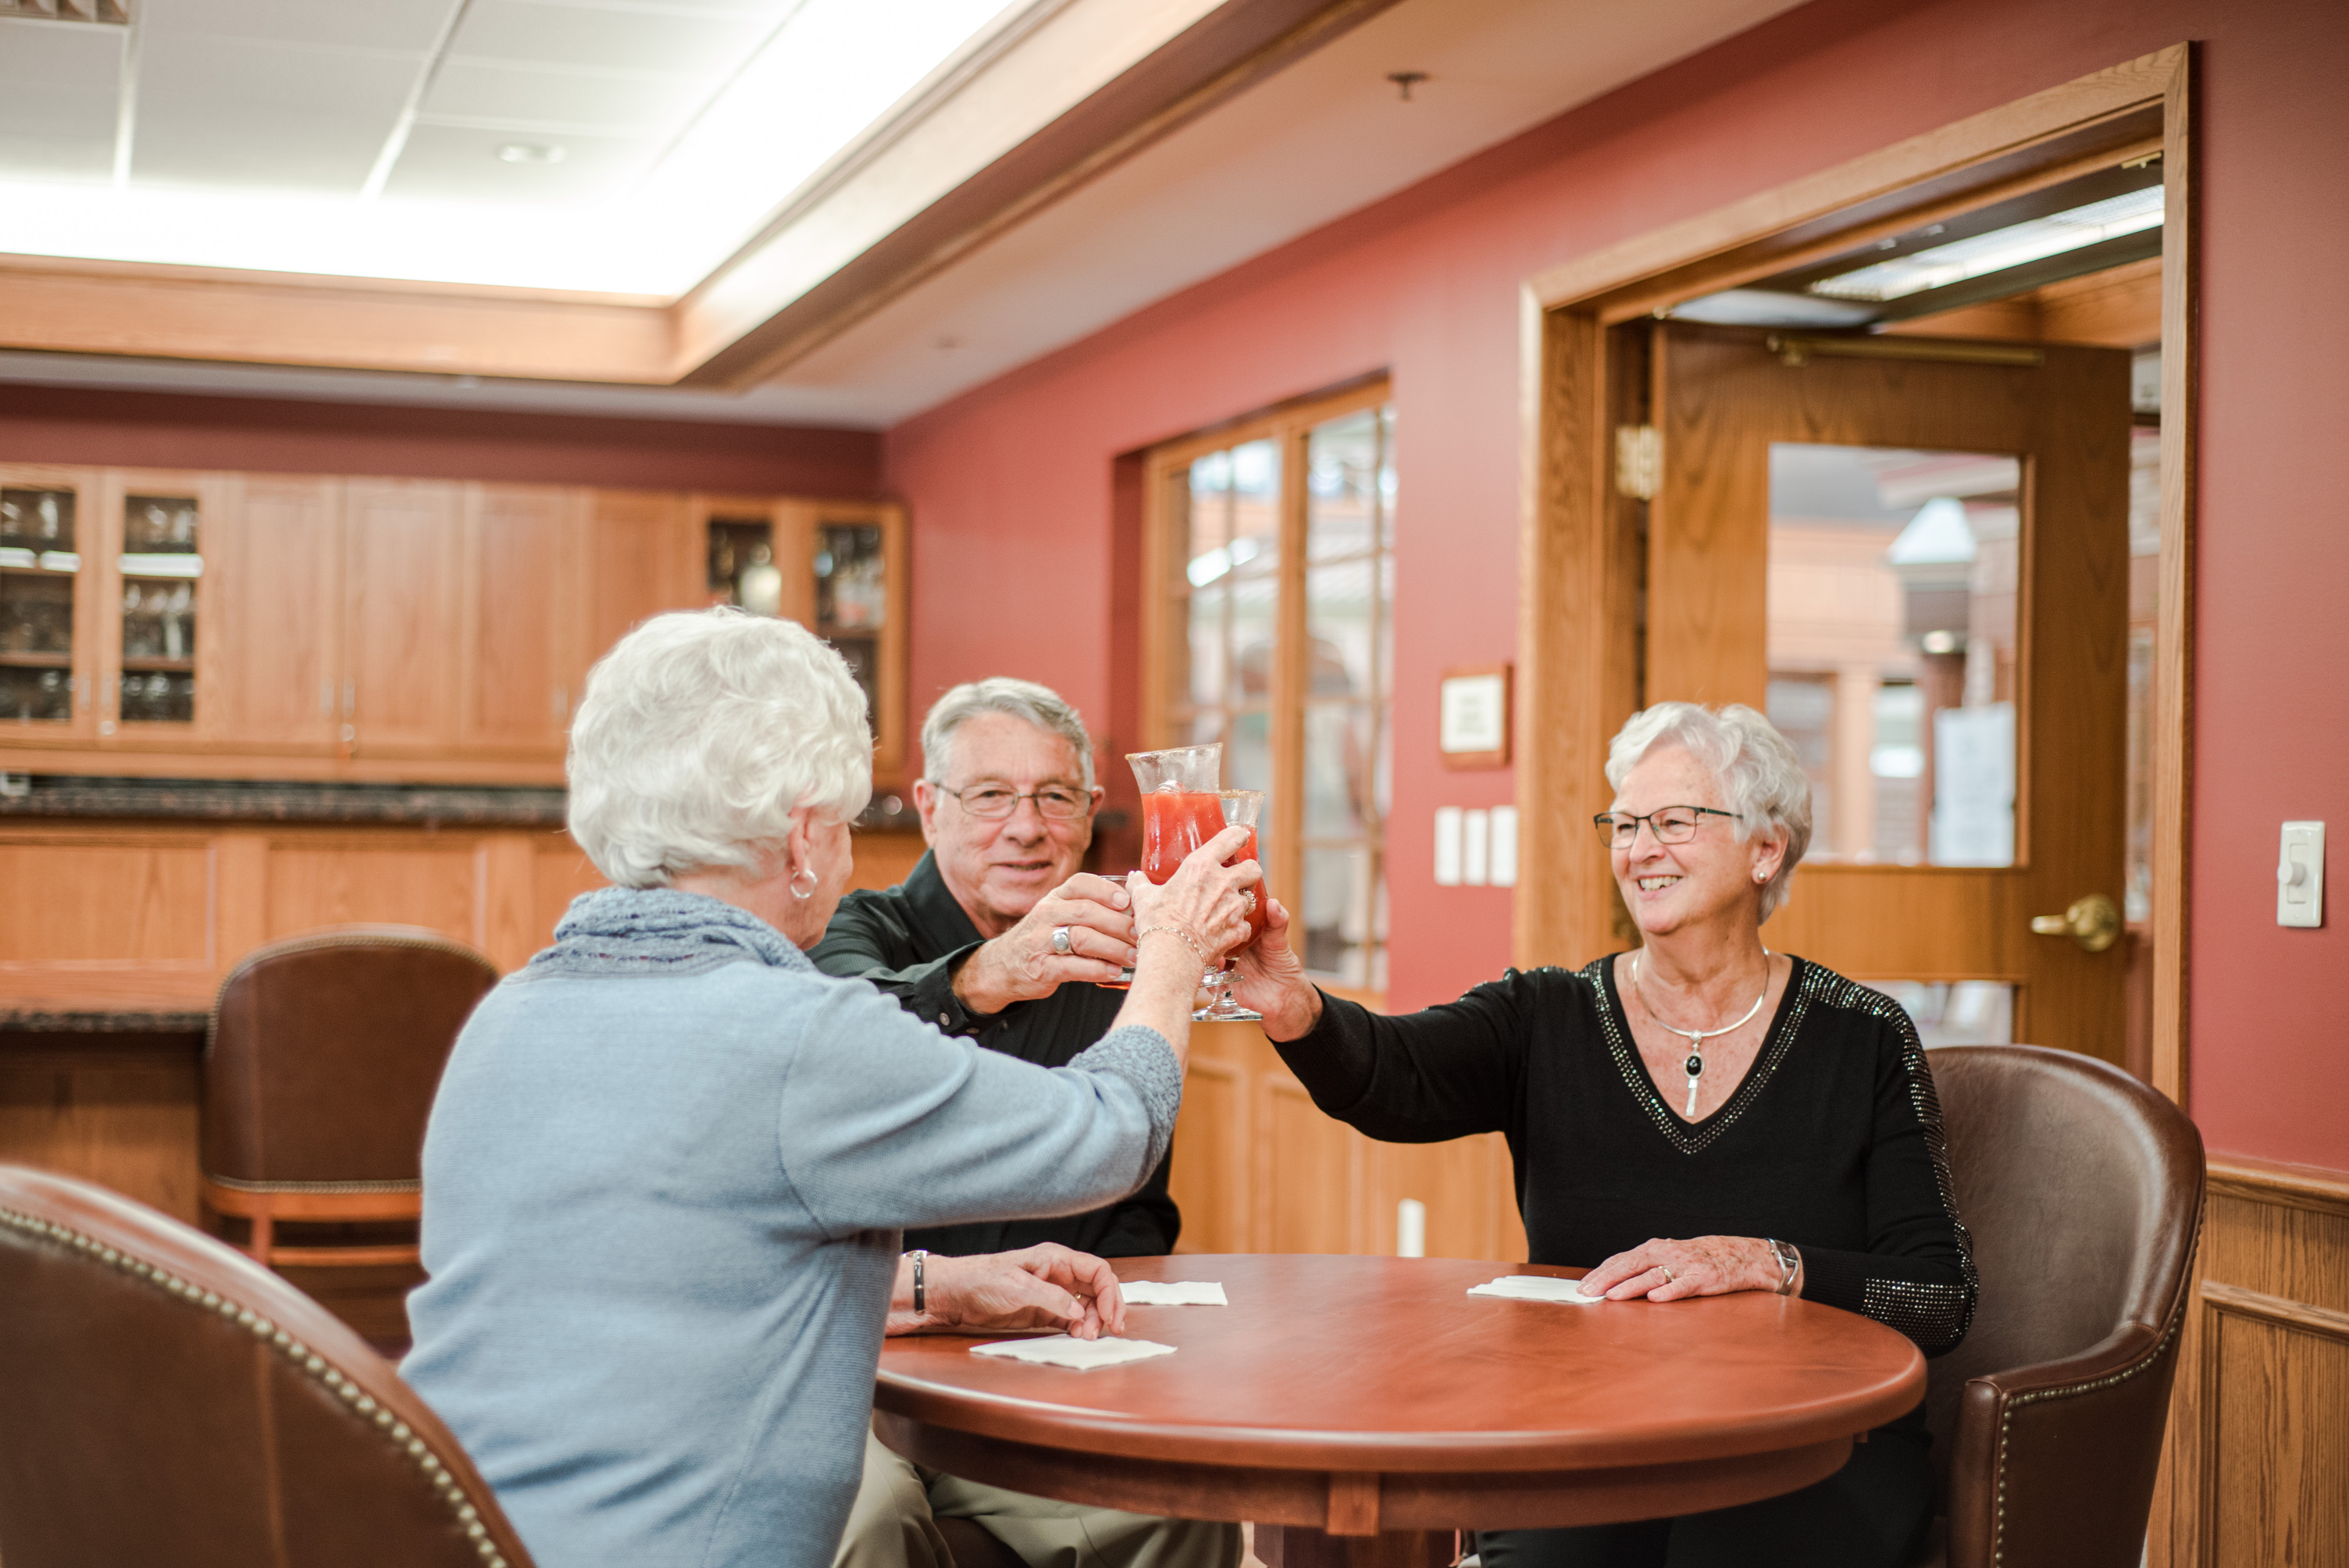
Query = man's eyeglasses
x=1672 y=825
x=994 y=802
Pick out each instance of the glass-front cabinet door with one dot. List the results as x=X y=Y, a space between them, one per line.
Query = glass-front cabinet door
x=153 y=668
x=47 y=614
x=838 y=569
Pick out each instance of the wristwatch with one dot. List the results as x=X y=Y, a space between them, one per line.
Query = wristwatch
x=1788 y=1262
x=921 y=1297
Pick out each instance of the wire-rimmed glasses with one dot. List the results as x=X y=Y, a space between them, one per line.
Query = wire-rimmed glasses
x=994 y=802
x=1670 y=824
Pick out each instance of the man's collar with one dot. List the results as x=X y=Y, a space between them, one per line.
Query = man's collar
x=946 y=925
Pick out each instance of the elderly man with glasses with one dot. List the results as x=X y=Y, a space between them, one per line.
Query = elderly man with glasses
x=997 y=935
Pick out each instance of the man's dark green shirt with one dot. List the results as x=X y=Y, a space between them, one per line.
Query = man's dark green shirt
x=909 y=940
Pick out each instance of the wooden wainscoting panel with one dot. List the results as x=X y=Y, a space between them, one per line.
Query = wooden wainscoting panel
x=129 y=1125
x=505 y=872
x=2259 y=1431
x=137 y=900
x=1455 y=1180
x=2276 y=1476
x=1306 y=1183
x=411 y=881
x=1209 y=1180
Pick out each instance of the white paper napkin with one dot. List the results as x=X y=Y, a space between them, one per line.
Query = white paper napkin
x=1183 y=1293
x=1536 y=1288
x=1084 y=1355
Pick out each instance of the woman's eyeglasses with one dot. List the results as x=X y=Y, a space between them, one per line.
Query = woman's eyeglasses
x=994 y=802
x=1672 y=825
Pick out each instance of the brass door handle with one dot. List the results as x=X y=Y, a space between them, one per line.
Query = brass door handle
x=2094 y=922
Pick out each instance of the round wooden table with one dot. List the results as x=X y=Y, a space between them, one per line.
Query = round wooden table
x=1370 y=1399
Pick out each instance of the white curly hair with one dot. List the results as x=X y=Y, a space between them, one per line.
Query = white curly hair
x=700 y=731
x=1761 y=777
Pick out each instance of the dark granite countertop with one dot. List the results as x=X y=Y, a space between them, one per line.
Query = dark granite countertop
x=280 y=800
x=103 y=1021
x=286 y=800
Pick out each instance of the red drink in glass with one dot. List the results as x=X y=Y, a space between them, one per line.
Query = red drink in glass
x=1174 y=823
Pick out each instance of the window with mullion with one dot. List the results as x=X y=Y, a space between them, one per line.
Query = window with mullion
x=1287 y=656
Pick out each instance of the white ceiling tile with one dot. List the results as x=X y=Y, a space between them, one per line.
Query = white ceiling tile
x=58 y=88
x=478 y=92
x=545 y=32
x=451 y=163
x=408 y=24
x=245 y=113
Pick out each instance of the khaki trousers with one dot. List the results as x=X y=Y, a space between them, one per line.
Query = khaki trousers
x=890 y=1527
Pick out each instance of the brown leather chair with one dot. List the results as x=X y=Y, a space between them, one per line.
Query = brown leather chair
x=165 y=1399
x=2083 y=1188
x=319 y=1070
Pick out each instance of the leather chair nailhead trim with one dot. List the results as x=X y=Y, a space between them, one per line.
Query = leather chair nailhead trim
x=304 y=1358
x=2151 y=1358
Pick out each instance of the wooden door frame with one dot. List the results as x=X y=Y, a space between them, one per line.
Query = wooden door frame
x=1580 y=607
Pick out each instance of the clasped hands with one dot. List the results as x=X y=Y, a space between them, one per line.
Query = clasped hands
x=1699 y=1265
x=1101 y=916
x=1044 y=1286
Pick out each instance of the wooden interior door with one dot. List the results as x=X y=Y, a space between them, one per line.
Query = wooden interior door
x=400 y=573
x=281 y=611
x=525 y=569
x=1722 y=397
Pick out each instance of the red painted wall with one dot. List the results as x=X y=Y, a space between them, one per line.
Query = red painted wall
x=1011 y=485
x=174 y=430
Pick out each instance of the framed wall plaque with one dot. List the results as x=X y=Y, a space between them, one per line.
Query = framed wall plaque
x=1472 y=716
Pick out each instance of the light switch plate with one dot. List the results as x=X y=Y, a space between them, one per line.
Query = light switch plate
x=2300 y=875
x=1447 y=846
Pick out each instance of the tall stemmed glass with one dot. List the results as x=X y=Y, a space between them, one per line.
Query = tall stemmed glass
x=1183 y=808
x=1241 y=809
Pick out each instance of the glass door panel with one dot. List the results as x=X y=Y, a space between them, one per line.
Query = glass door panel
x=161 y=563
x=39 y=566
x=1893 y=650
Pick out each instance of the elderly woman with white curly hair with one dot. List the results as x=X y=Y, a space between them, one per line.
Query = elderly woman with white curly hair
x=1696 y=1117
x=669 y=1159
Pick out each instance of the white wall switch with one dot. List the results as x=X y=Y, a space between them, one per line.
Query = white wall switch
x=1447 y=846
x=1476 y=848
x=1504 y=846
x=2300 y=875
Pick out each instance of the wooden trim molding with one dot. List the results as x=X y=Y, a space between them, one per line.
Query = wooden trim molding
x=2277 y=1309
x=2272 y=1181
x=1580 y=666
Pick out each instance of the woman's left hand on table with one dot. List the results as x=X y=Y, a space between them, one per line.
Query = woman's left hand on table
x=1700 y=1266
x=1047 y=1286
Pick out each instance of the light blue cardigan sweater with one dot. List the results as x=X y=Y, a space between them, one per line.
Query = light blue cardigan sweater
x=663 y=1186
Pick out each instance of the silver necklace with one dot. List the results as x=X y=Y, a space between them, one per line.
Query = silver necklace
x=1694 y=1066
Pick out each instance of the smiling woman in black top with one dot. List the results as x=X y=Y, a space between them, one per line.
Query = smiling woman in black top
x=1698 y=1117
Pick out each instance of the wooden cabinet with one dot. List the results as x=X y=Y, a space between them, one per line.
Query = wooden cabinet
x=159 y=680
x=836 y=567
x=49 y=606
x=181 y=623
x=401 y=570
x=525 y=575
x=277 y=598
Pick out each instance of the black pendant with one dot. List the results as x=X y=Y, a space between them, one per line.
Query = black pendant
x=1693 y=1066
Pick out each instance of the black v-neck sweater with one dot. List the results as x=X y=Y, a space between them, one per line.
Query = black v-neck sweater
x=1833 y=1142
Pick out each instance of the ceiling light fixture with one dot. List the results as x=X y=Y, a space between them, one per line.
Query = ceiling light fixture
x=1406 y=80
x=529 y=152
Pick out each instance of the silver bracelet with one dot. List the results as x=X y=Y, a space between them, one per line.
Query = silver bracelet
x=1190 y=941
x=1788 y=1261
x=921 y=1295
